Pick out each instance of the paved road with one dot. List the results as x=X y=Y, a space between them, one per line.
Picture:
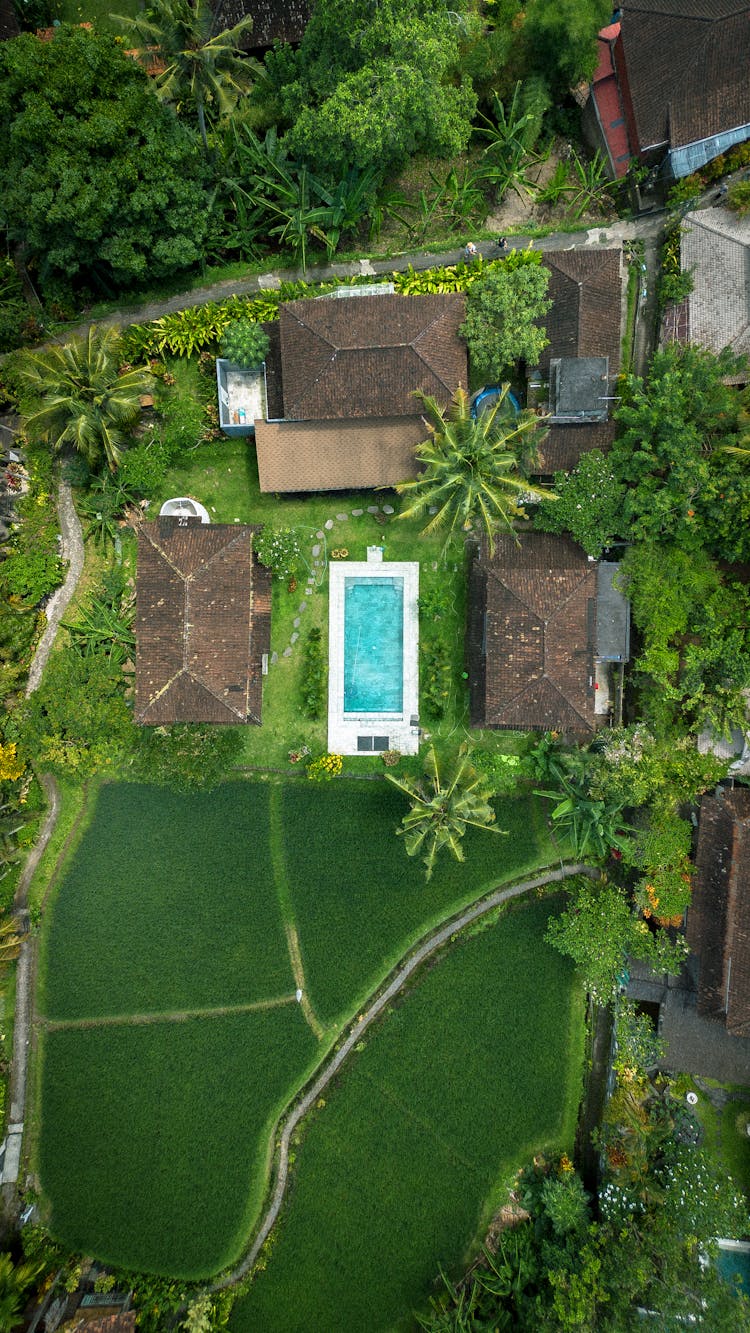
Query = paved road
x=610 y=234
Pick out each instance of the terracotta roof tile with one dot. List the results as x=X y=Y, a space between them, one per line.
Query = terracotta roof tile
x=365 y=356
x=718 y=926
x=202 y=624
x=585 y=288
x=563 y=446
x=687 y=63
x=531 y=635
x=337 y=455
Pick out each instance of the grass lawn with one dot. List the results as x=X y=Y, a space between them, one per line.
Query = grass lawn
x=154 y=1136
x=477 y=1068
x=224 y=477
x=172 y=905
x=359 y=900
x=168 y=904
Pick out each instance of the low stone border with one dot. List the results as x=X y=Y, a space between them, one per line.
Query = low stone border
x=434 y=941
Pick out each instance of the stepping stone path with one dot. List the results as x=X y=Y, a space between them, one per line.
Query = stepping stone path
x=319 y=562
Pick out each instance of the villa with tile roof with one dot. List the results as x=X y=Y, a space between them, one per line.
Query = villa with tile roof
x=582 y=358
x=718 y=925
x=671 y=87
x=203 y=623
x=273 y=20
x=715 y=250
x=544 y=622
x=344 y=380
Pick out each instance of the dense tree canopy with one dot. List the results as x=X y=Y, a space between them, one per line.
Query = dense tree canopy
x=97 y=178
x=374 y=83
x=503 y=310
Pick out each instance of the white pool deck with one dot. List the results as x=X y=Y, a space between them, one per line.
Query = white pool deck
x=345 y=729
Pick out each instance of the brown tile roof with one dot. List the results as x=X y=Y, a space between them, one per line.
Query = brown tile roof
x=364 y=356
x=121 y=1322
x=687 y=63
x=718 y=927
x=532 y=623
x=337 y=455
x=273 y=20
x=563 y=446
x=203 y=622
x=585 y=288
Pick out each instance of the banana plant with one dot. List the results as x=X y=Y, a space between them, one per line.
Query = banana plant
x=594 y=827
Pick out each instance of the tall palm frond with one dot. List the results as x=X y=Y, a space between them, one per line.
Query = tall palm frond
x=471 y=474
x=85 y=403
x=192 y=61
x=443 y=808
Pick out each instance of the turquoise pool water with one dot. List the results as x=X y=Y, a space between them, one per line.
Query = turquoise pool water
x=373 y=645
x=734 y=1266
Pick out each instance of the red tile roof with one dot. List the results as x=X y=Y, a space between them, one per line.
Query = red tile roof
x=203 y=623
x=687 y=67
x=562 y=447
x=532 y=623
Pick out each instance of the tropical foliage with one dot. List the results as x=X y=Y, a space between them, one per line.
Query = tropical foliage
x=245 y=344
x=85 y=403
x=192 y=62
x=503 y=312
x=471 y=473
x=443 y=806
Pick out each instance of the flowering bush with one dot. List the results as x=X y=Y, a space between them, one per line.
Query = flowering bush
x=279 y=550
x=589 y=504
x=325 y=768
x=11 y=767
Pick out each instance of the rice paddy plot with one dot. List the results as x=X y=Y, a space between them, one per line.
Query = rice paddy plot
x=477 y=1068
x=168 y=904
x=359 y=900
x=154 y=1137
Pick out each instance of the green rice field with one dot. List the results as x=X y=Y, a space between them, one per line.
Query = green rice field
x=475 y=1070
x=179 y=932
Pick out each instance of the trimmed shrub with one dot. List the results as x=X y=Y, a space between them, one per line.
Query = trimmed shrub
x=313 y=676
x=245 y=344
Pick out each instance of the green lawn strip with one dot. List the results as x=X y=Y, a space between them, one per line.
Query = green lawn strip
x=75 y=812
x=166 y=905
x=735 y=1144
x=99 y=12
x=359 y=901
x=155 y=1140
x=465 y=1078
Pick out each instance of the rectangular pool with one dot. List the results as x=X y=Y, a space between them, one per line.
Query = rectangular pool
x=373 y=642
x=373 y=645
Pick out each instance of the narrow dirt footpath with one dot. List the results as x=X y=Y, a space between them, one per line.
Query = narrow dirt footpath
x=434 y=941
x=72 y=550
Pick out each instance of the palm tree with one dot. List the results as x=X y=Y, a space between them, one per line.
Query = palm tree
x=443 y=808
x=471 y=467
x=200 y=65
x=85 y=401
x=15 y=1280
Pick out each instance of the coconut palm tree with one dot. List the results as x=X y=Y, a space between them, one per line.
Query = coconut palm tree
x=84 y=401
x=192 y=61
x=443 y=807
x=471 y=472
x=15 y=1281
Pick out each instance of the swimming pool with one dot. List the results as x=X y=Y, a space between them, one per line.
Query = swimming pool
x=373 y=645
x=373 y=640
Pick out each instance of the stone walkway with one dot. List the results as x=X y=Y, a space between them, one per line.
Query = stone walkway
x=72 y=551
x=318 y=564
x=429 y=945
